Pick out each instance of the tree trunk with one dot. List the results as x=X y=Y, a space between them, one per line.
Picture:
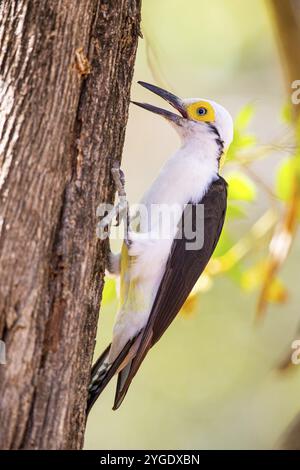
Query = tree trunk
x=286 y=17
x=66 y=69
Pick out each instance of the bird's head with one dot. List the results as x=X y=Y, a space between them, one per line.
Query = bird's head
x=199 y=118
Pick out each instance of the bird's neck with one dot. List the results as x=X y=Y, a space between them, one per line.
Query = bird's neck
x=205 y=151
x=186 y=176
x=203 y=143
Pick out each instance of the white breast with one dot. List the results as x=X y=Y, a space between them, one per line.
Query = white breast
x=184 y=178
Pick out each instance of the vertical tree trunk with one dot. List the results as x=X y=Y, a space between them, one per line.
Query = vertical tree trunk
x=66 y=69
x=286 y=17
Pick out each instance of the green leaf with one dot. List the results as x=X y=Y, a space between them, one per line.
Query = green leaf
x=247 y=141
x=241 y=188
x=244 y=117
x=235 y=212
x=235 y=273
x=240 y=142
x=232 y=151
x=224 y=244
x=241 y=139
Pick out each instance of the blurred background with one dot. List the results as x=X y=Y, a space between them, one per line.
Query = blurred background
x=221 y=376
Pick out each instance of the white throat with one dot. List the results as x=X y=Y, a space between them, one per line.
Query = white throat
x=187 y=175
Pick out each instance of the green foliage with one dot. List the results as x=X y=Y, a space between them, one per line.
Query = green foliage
x=241 y=188
x=235 y=212
x=242 y=138
x=244 y=117
x=225 y=243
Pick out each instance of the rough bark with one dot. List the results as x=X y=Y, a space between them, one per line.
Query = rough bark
x=286 y=19
x=61 y=128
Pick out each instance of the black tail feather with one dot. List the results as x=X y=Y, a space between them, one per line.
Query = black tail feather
x=100 y=378
x=122 y=377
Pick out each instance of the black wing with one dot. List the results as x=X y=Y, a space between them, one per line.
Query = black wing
x=184 y=267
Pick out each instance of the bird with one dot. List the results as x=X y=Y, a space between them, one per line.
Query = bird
x=158 y=273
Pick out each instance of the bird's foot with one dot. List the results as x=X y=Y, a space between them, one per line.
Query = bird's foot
x=122 y=212
x=118 y=212
x=103 y=227
x=119 y=179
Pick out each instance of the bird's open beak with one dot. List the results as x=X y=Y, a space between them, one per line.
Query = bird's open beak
x=173 y=100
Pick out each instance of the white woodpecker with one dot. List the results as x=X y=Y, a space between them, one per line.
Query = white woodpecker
x=158 y=273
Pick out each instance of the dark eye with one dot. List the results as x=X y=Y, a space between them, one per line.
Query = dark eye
x=201 y=111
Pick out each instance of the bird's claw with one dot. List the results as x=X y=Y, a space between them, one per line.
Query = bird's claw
x=119 y=178
x=122 y=208
x=120 y=212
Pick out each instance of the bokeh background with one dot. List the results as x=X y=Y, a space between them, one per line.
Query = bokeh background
x=214 y=380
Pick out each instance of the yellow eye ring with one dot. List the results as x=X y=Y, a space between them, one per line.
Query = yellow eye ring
x=201 y=111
